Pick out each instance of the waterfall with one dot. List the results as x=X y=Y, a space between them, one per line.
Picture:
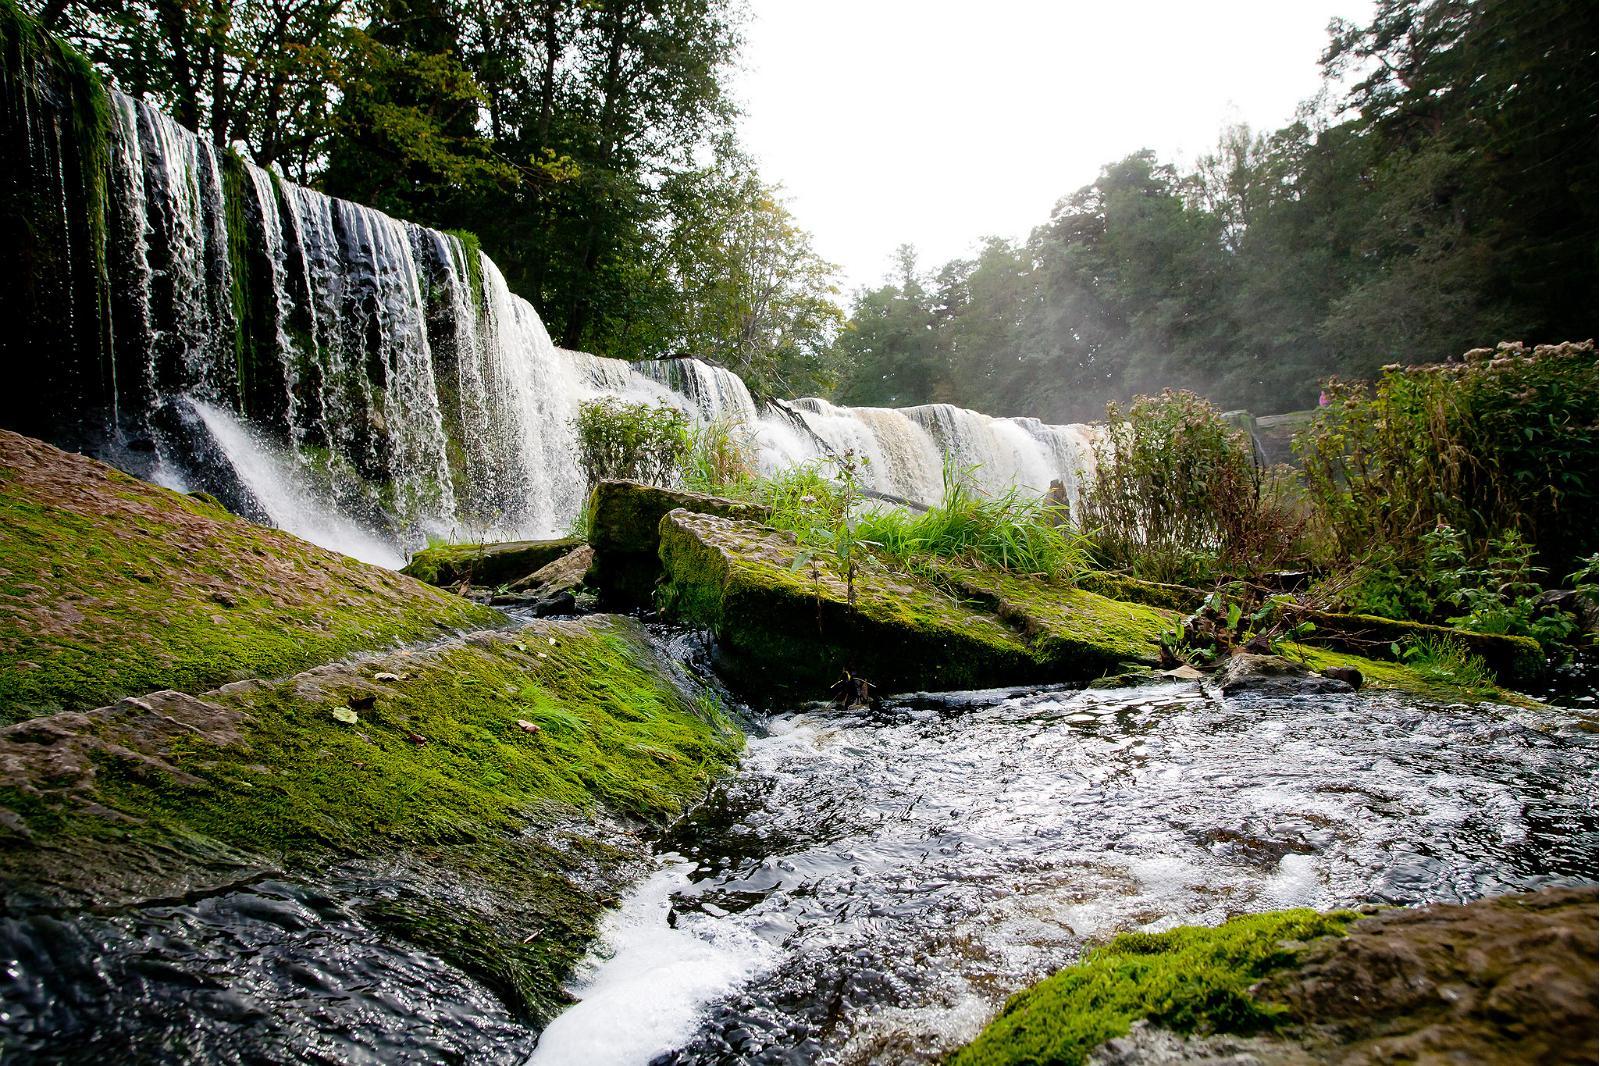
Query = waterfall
x=367 y=383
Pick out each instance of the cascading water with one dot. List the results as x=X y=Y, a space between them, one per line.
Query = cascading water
x=366 y=382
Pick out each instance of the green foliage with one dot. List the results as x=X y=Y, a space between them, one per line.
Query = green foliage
x=631 y=441
x=1445 y=661
x=1497 y=442
x=1176 y=495
x=1190 y=980
x=722 y=459
x=1014 y=531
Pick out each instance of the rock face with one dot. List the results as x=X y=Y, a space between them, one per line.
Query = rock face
x=112 y=587
x=624 y=523
x=486 y=565
x=1503 y=980
x=1273 y=675
x=475 y=766
x=782 y=626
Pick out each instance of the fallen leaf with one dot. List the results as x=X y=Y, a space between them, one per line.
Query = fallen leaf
x=386 y=677
x=1183 y=673
x=526 y=726
x=417 y=738
x=346 y=715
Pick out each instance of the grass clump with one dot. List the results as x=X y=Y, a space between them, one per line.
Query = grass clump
x=1190 y=980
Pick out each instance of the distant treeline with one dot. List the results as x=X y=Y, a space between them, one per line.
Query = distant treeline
x=1439 y=195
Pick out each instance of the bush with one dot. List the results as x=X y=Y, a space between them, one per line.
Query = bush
x=1176 y=495
x=1500 y=441
x=631 y=441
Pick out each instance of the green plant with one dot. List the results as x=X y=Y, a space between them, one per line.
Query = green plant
x=631 y=441
x=1500 y=441
x=1013 y=531
x=721 y=459
x=837 y=539
x=1176 y=495
x=1447 y=661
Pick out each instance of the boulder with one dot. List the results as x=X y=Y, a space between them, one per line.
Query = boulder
x=1348 y=674
x=486 y=565
x=1273 y=675
x=552 y=589
x=785 y=622
x=624 y=523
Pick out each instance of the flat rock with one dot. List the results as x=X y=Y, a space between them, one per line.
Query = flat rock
x=1273 y=675
x=487 y=565
x=624 y=531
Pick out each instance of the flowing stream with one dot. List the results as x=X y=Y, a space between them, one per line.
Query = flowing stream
x=866 y=888
x=870 y=888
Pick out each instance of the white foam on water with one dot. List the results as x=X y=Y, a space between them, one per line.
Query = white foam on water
x=289 y=502
x=657 y=977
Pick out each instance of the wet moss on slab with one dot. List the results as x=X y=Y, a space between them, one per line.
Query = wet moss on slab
x=110 y=586
x=1515 y=660
x=486 y=565
x=1189 y=980
x=1388 y=674
x=1080 y=634
x=1180 y=598
x=464 y=762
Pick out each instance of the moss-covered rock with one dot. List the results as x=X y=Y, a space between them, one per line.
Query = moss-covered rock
x=1078 y=633
x=781 y=626
x=624 y=523
x=486 y=565
x=465 y=763
x=1516 y=661
x=110 y=587
x=1179 y=598
x=1506 y=980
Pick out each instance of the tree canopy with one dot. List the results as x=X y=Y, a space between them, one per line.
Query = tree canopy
x=1440 y=195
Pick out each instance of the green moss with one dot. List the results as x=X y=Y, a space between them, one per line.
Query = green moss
x=1515 y=660
x=1135 y=590
x=471 y=253
x=486 y=565
x=1188 y=980
x=1080 y=633
x=784 y=626
x=624 y=521
x=437 y=780
x=110 y=586
x=1380 y=673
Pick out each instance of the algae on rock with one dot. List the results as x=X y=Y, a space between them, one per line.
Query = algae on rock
x=784 y=625
x=110 y=586
x=440 y=774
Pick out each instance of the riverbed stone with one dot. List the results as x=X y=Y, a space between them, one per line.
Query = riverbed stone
x=785 y=620
x=1273 y=675
x=624 y=531
x=486 y=565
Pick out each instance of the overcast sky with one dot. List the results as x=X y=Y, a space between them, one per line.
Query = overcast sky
x=940 y=121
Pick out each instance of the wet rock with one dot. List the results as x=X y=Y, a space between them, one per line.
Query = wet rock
x=1147 y=1045
x=1273 y=675
x=1510 y=979
x=486 y=565
x=624 y=531
x=1348 y=674
x=782 y=627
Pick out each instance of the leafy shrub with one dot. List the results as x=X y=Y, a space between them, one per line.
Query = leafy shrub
x=631 y=441
x=1176 y=495
x=1501 y=441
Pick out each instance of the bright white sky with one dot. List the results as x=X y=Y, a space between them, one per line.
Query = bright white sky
x=941 y=121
